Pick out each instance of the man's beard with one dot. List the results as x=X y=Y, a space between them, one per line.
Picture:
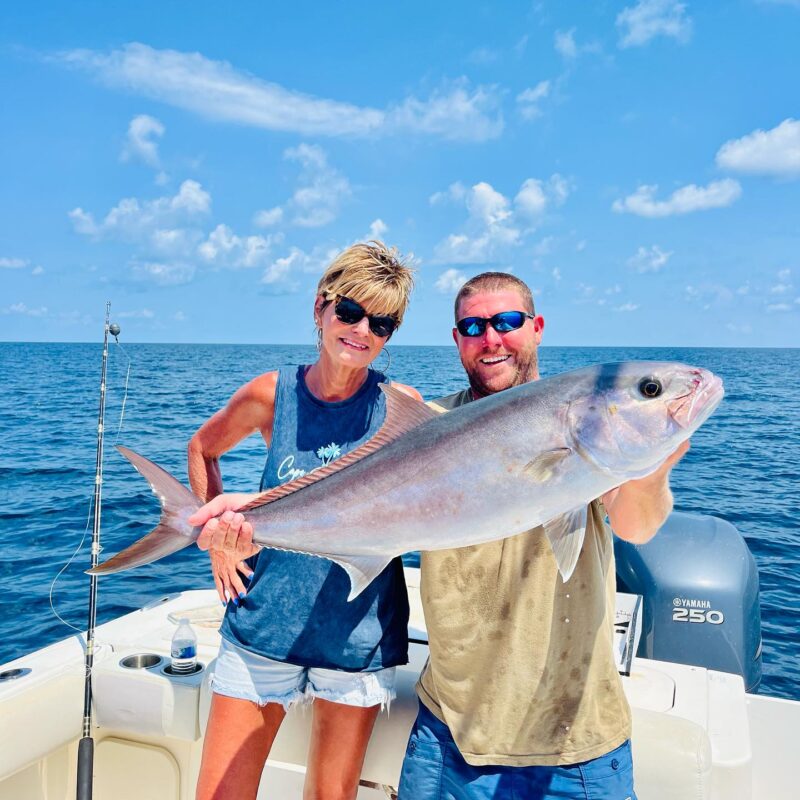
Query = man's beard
x=527 y=369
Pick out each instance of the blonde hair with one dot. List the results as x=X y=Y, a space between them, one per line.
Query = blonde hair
x=372 y=274
x=495 y=282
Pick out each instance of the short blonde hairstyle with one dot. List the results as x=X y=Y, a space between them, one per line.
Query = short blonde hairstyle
x=372 y=274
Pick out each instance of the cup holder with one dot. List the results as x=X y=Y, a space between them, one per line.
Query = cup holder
x=173 y=674
x=141 y=661
x=13 y=674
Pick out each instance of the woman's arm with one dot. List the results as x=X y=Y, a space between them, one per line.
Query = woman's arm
x=250 y=409
x=228 y=539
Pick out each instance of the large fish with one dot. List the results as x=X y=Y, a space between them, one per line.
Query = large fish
x=528 y=456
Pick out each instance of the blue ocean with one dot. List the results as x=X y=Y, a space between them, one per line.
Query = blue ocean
x=742 y=467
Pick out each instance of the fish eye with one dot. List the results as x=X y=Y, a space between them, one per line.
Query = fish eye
x=650 y=387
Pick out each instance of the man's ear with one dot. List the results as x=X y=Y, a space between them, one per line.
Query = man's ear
x=455 y=336
x=538 y=327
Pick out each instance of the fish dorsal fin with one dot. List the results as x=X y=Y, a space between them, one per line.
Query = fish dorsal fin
x=403 y=413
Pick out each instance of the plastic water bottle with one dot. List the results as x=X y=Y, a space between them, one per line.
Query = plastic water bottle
x=184 y=649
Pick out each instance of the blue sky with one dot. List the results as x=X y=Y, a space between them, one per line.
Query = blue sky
x=637 y=163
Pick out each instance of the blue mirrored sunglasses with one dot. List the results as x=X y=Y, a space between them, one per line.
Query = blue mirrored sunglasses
x=503 y=322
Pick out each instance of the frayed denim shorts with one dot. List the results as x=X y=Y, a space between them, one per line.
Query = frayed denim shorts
x=248 y=676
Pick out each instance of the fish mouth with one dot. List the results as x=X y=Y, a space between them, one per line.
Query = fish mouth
x=690 y=410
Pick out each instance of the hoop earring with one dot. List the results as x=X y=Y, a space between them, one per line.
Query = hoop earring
x=385 y=370
x=319 y=339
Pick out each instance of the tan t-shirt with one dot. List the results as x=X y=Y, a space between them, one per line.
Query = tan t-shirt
x=521 y=668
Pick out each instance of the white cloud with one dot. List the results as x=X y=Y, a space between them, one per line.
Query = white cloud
x=784 y=275
x=142 y=313
x=217 y=90
x=718 y=194
x=778 y=307
x=627 y=307
x=650 y=18
x=23 y=310
x=20 y=263
x=322 y=188
x=772 y=152
x=495 y=224
x=13 y=263
x=483 y=56
x=556 y=274
x=266 y=218
x=281 y=270
x=140 y=143
x=455 y=112
x=130 y=218
x=455 y=192
x=528 y=101
x=649 y=259
x=223 y=248
x=565 y=45
x=164 y=274
x=535 y=196
x=377 y=229
x=544 y=247
x=531 y=199
x=709 y=294
x=450 y=281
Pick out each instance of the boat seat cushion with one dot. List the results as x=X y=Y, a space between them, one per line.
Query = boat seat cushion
x=671 y=757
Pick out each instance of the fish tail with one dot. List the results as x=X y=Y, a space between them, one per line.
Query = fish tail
x=171 y=534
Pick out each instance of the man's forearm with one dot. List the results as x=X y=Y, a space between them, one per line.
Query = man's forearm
x=639 y=509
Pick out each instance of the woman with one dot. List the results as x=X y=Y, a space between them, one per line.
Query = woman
x=291 y=635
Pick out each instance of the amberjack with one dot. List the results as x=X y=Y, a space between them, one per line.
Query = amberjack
x=530 y=456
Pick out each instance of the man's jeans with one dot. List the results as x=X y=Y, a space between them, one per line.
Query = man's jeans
x=433 y=769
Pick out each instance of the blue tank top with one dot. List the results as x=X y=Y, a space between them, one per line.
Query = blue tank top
x=296 y=608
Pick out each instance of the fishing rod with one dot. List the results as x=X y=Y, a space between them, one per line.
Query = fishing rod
x=86 y=744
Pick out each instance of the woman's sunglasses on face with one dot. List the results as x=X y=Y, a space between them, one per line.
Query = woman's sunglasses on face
x=503 y=322
x=350 y=313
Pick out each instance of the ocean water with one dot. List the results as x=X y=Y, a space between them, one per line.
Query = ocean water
x=743 y=467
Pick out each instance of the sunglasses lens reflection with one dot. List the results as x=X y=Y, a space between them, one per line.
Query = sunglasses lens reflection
x=350 y=313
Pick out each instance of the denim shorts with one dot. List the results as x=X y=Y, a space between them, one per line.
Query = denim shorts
x=248 y=676
x=434 y=769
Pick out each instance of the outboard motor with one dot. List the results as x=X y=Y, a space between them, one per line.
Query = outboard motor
x=699 y=583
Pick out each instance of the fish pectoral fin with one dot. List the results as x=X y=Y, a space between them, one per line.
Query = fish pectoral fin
x=361 y=570
x=565 y=534
x=542 y=467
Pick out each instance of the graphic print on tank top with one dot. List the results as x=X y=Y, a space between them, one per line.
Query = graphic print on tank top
x=296 y=608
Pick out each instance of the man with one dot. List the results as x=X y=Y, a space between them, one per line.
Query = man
x=520 y=696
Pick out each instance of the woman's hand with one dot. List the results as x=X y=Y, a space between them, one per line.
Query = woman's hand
x=229 y=540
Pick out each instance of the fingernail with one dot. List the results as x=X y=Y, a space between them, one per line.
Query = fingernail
x=235 y=601
x=223 y=602
x=242 y=595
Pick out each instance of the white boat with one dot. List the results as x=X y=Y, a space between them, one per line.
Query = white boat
x=697 y=733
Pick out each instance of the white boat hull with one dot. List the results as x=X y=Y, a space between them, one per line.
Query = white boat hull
x=697 y=734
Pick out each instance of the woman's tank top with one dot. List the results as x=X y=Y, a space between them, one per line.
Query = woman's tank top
x=296 y=608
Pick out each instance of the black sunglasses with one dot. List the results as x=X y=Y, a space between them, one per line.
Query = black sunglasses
x=349 y=312
x=503 y=322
